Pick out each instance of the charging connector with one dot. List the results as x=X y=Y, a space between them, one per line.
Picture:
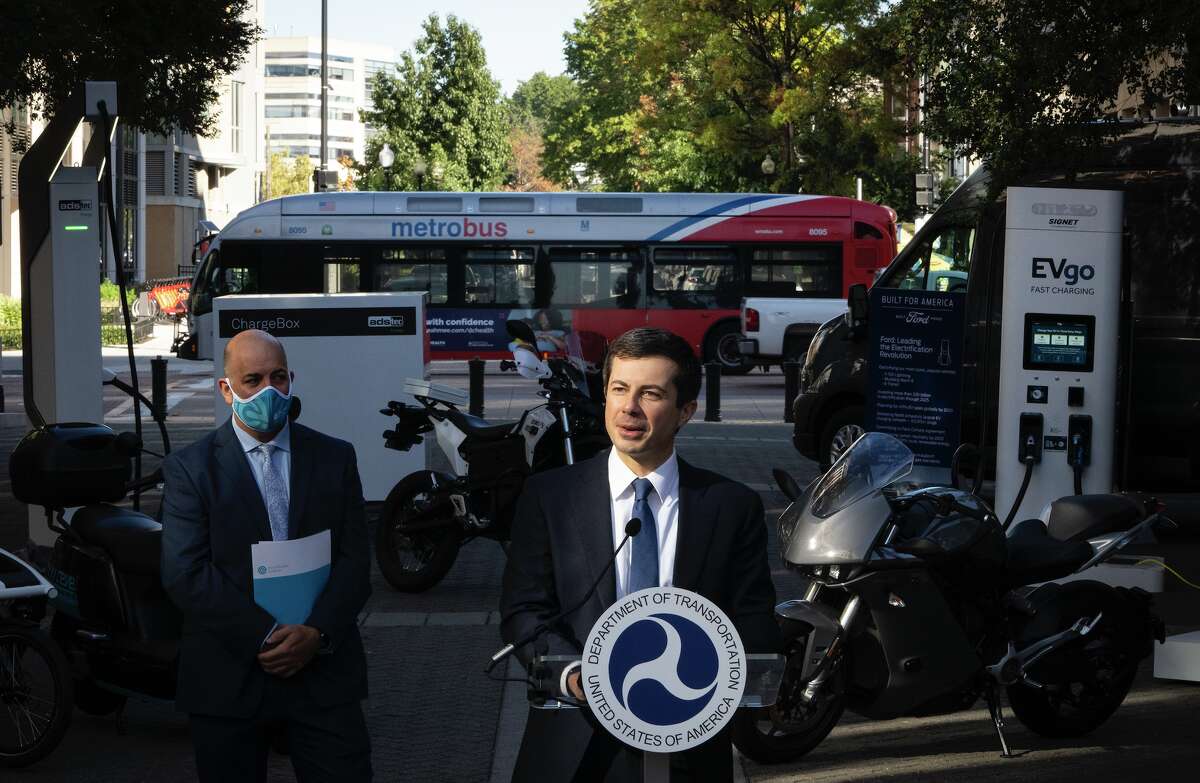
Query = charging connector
x=1029 y=448
x=1079 y=447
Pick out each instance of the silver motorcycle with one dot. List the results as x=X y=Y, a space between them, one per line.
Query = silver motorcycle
x=920 y=603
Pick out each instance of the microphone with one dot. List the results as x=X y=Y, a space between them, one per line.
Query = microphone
x=632 y=528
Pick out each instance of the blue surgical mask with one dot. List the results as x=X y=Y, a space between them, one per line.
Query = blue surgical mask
x=265 y=411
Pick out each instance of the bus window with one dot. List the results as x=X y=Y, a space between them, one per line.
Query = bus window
x=343 y=270
x=940 y=263
x=499 y=276
x=595 y=277
x=414 y=269
x=695 y=278
x=801 y=272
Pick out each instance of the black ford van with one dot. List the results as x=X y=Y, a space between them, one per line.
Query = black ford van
x=1157 y=165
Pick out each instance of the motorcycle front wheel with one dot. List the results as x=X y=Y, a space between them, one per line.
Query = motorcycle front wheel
x=35 y=696
x=413 y=561
x=765 y=737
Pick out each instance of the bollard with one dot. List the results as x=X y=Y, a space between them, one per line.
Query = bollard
x=475 y=371
x=791 y=388
x=158 y=388
x=712 y=391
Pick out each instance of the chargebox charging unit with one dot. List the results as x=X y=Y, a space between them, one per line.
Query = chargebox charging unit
x=351 y=354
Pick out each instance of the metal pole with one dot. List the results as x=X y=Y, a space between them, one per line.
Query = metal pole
x=324 y=85
x=475 y=369
x=712 y=391
x=158 y=388
x=791 y=387
x=656 y=767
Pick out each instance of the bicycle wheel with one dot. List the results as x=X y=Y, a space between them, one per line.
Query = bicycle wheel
x=35 y=696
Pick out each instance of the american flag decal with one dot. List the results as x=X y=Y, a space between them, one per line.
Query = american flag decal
x=327 y=205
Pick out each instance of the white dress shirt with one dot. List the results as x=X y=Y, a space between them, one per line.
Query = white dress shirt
x=281 y=456
x=664 y=504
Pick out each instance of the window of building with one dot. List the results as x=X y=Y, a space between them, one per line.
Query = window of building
x=333 y=58
x=335 y=74
x=236 y=90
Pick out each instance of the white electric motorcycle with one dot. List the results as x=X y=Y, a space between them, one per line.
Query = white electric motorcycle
x=429 y=514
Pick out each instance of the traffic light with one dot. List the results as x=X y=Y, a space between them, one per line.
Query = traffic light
x=324 y=179
x=925 y=190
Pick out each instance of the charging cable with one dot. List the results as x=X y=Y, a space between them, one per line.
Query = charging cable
x=1170 y=571
x=1012 y=512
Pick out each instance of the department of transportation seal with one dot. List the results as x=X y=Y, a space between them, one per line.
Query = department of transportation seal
x=663 y=670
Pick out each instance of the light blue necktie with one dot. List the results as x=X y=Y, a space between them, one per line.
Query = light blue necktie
x=274 y=493
x=643 y=570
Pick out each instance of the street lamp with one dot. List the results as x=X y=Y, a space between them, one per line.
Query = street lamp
x=768 y=165
x=418 y=169
x=386 y=156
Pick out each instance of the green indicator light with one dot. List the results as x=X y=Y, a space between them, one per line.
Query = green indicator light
x=76 y=228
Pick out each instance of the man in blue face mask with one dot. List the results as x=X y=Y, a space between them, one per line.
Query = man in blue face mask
x=242 y=676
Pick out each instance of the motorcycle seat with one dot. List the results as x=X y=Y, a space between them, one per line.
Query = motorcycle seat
x=1033 y=556
x=131 y=539
x=479 y=429
x=1080 y=517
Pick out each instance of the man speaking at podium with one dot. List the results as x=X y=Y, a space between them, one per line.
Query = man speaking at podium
x=699 y=531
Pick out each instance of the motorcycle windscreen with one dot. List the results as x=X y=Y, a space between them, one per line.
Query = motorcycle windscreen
x=841 y=517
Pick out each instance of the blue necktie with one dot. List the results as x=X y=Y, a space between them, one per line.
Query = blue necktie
x=274 y=493
x=643 y=570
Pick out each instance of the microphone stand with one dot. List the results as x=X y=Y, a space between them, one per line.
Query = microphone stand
x=631 y=529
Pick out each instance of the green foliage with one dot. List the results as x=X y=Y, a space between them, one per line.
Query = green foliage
x=287 y=176
x=693 y=95
x=168 y=57
x=536 y=105
x=110 y=334
x=441 y=111
x=1023 y=84
x=110 y=294
x=540 y=99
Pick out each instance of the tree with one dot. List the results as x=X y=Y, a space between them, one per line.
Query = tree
x=538 y=103
x=168 y=57
x=719 y=85
x=287 y=176
x=540 y=99
x=441 y=112
x=1022 y=84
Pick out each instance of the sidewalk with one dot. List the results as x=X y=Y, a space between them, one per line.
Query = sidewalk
x=116 y=357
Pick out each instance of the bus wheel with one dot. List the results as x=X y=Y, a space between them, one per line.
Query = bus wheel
x=722 y=346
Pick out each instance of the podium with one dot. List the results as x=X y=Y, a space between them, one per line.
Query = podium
x=663 y=671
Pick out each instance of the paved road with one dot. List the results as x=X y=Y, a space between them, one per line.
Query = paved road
x=433 y=717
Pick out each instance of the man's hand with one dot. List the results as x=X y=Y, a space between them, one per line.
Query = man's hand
x=575 y=685
x=289 y=649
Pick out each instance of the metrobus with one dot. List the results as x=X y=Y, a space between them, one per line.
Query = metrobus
x=567 y=262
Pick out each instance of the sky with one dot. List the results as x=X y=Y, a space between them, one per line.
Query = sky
x=521 y=38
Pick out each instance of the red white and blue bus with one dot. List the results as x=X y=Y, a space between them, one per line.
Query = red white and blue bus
x=568 y=262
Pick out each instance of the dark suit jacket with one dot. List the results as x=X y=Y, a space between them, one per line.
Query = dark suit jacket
x=562 y=540
x=212 y=513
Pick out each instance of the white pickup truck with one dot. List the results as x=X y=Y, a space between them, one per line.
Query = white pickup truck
x=778 y=330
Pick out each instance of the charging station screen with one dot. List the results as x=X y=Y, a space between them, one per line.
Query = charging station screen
x=1056 y=342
